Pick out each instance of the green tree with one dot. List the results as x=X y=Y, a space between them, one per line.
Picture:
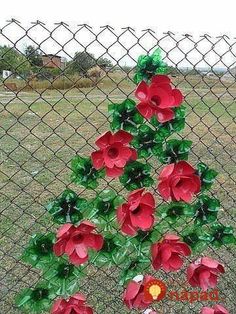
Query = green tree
x=33 y=55
x=14 y=61
x=81 y=63
x=101 y=61
x=127 y=68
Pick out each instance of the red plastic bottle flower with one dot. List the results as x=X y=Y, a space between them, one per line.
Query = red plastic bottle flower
x=204 y=273
x=158 y=99
x=74 y=305
x=137 y=213
x=179 y=181
x=217 y=309
x=168 y=254
x=75 y=241
x=113 y=153
x=134 y=297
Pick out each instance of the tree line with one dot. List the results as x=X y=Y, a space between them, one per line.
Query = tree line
x=30 y=62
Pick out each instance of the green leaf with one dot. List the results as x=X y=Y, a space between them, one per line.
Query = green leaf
x=136 y=175
x=133 y=268
x=64 y=277
x=83 y=172
x=175 y=150
x=155 y=236
x=102 y=209
x=23 y=298
x=207 y=176
x=222 y=234
x=229 y=239
x=201 y=167
x=39 y=252
x=35 y=300
x=107 y=195
x=206 y=209
x=146 y=142
x=148 y=66
x=119 y=255
x=197 y=238
x=180 y=112
x=125 y=116
x=102 y=259
x=175 y=212
x=68 y=208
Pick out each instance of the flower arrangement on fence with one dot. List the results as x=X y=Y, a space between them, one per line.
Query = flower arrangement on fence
x=135 y=233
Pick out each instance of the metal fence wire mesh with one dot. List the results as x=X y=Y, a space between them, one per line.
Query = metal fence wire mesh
x=50 y=111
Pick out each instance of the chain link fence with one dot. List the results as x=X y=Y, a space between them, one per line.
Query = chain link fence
x=57 y=81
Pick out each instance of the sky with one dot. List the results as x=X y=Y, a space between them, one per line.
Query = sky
x=179 y=16
x=201 y=16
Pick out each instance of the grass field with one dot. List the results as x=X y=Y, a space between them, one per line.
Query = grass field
x=41 y=131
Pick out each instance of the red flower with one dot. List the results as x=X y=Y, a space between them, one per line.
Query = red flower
x=114 y=152
x=134 y=294
x=217 y=309
x=75 y=241
x=179 y=182
x=158 y=98
x=137 y=213
x=74 y=305
x=168 y=253
x=204 y=273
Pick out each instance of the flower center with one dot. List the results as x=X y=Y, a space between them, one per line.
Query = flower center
x=68 y=207
x=79 y=238
x=175 y=211
x=106 y=206
x=45 y=247
x=133 y=265
x=218 y=234
x=108 y=246
x=113 y=152
x=202 y=211
x=137 y=210
x=142 y=235
x=39 y=294
x=190 y=238
x=65 y=270
x=155 y=100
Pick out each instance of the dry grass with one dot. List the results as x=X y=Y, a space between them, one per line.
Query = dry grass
x=59 y=83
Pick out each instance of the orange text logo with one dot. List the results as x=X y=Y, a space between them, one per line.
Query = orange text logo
x=154 y=290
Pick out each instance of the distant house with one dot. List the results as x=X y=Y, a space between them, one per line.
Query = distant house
x=52 y=61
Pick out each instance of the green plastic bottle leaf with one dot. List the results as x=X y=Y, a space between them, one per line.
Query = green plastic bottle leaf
x=136 y=175
x=197 y=238
x=207 y=176
x=39 y=252
x=222 y=235
x=83 y=172
x=175 y=150
x=206 y=209
x=125 y=116
x=68 y=208
x=36 y=300
x=148 y=66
